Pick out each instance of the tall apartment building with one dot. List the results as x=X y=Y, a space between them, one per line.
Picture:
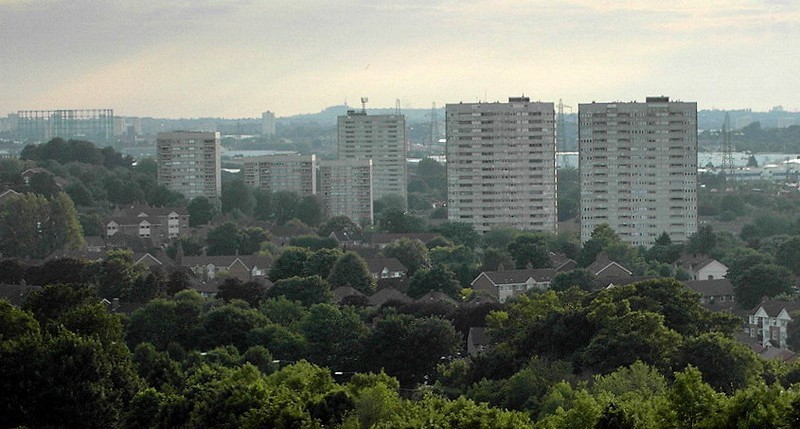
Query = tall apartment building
x=638 y=169
x=501 y=164
x=188 y=162
x=381 y=138
x=293 y=173
x=268 y=123
x=346 y=189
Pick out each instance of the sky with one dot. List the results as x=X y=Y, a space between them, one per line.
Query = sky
x=238 y=58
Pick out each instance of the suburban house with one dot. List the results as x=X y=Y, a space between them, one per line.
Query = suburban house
x=767 y=322
x=386 y=268
x=157 y=224
x=603 y=267
x=241 y=267
x=562 y=263
x=8 y=193
x=717 y=292
x=505 y=284
x=28 y=174
x=701 y=267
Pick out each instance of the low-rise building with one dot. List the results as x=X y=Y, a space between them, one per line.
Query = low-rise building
x=701 y=266
x=502 y=285
x=767 y=322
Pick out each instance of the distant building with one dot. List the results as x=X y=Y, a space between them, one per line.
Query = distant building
x=346 y=189
x=382 y=139
x=501 y=164
x=768 y=322
x=701 y=266
x=268 y=123
x=505 y=284
x=95 y=125
x=638 y=169
x=189 y=163
x=293 y=173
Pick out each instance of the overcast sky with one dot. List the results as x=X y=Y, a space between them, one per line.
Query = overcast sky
x=237 y=58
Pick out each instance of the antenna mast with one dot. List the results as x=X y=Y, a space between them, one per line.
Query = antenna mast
x=364 y=104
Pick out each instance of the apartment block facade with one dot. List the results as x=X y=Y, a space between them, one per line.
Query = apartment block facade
x=382 y=139
x=501 y=164
x=189 y=163
x=273 y=173
x=638 y=169
x=345 y=187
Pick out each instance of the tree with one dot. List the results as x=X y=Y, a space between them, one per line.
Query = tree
x=409 y=348
x=313 y=242
x=310 y=210
x=411 y=253
x=726 y=364
x=397 y=221
x=308 y=290
x=459 y=233
x=229 y=325
x=250 y=240
x=335 y=336
x=788 y=254
x=237 y=196
x=223 y=240
x=33 y=227
x=759 y=281
x=201 y=211
x=636 y=335
x=290 y=263
x=233 y=288
x=352 y=270
x=529 y=249
x=437 y=278
x=117 y=275
x=580 y=277
x=284 y=206
x=602 y=237
x=343 y=226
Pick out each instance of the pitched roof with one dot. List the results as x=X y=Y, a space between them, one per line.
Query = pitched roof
x=137 y=209
x=559 y=260
x=16 y=294
x=389 y=294
x=477 y=334
x=436 y=296
x=774 y=307
x=778 y=354
x=376 y=265
x=343 y=292
x=226 y=260
x=707 y=288
x=606 y=282
x=520 y=276
x=694 y=261
x=602 y=263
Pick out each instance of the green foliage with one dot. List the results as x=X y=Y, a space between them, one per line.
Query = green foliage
x=529 y=250
x=397 y=221
x=411 y=253
x=460 y=233
x=341 y=225
x=726 y=364
x=313 y=242
x=201 y=211
x=229 y=325
x=32 y=226
x=569 y=193
x=117 y=275
x=352 y=270
x=580 y=278
x=335 y=336
x=758 y=281
x=307 y=290
x=233 y=288
x=228 y=239
x=290 y=263
x=437 y=278
x=409 y=348
x=237 y=196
